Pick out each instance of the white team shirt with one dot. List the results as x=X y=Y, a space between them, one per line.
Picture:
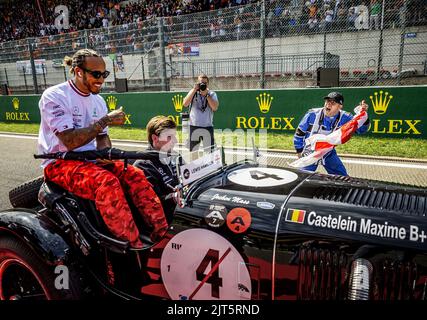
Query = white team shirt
x=64 y=107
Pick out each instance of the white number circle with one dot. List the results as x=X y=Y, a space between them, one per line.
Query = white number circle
x=262 y=177
x=198 y=264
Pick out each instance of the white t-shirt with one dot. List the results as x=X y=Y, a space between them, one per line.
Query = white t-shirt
x=201 y=115
x=64 y=107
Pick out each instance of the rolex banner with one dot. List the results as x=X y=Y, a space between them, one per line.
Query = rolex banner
x=393 y=111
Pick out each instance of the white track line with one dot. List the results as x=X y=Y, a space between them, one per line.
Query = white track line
x=279 y=156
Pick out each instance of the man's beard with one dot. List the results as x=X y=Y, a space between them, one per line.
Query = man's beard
x=89 y=87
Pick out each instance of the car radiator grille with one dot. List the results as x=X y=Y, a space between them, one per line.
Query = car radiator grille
x=381 y=199
x=323 y=274
x=396 y=281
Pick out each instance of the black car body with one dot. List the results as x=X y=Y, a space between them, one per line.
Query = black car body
x=245 y=232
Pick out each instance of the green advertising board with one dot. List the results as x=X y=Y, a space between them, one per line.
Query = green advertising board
x=394 y=111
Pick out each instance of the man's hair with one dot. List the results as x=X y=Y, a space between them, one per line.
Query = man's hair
x=78 y=59
x=157 y=124
x=203 y=76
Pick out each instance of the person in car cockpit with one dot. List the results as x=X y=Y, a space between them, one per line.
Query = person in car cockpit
x=160 y=166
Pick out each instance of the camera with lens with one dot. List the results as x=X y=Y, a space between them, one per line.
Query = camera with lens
x=202 y=86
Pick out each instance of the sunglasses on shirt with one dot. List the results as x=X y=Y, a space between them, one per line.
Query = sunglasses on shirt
x=97 y=74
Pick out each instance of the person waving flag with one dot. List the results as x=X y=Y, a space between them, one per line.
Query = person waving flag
x=318 y=145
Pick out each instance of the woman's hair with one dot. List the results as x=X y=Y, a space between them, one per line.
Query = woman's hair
x=78 y=59
x=157 y=124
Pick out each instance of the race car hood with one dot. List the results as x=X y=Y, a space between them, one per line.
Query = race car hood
x=260 y=191
x=321 y=205
x=357 y=209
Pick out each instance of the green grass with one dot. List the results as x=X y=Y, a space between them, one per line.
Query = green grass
x=362 y=145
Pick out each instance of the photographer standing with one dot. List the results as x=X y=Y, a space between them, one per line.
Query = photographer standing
x=203 y=103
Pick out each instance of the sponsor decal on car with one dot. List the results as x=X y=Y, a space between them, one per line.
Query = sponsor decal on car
x=201 y=167
x=234 y=199
x=239 y=220
x=265 y=205
x=186 y=174
x=330 y=222
x=215 y=216
x=359 y=225
x=295 y=215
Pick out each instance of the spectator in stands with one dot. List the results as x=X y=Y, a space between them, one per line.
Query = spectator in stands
x=351 y=18
x=328 y=17
x=202 y=103
x=237 y=26
x=374 y=18
x=416 y=11
x=341 y=15
x=312 y=16
x=26 y=21
x=324 y=121
x=74 y=117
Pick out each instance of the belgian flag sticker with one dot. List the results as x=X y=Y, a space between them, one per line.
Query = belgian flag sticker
x=295 y=215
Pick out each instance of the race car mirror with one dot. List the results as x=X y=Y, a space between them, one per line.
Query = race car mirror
x=200 y=167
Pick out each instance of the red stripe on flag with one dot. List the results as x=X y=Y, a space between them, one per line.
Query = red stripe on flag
x=322 y=145
x=350 y=127
x=301 y=214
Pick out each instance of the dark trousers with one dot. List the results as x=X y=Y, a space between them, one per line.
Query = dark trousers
x=198 y=134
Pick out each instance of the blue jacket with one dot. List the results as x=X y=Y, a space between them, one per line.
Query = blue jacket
x=314 y=121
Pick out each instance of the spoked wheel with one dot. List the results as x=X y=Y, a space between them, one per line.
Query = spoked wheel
x=25 y=275
x=18 y=280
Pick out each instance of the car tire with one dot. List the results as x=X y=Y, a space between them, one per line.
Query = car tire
x=26 y=195
x=24 y=275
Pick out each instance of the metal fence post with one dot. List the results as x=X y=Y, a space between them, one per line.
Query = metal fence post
x=114 y=74
x=65 y=73
x=162 y=55
x=324 y=47
x=380 y=45
x=143 y=71
x=25 y=79
x=402 y=41
x=33 y=65
x=86 y=39
x=44 y=75
x=7 y=79
x=262 y=36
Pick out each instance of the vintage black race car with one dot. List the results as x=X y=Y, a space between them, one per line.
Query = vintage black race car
x=243 y=231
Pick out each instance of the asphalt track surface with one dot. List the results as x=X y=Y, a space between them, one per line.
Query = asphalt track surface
x=17 y=164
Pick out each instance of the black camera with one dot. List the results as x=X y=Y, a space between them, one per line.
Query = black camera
x=202 y=86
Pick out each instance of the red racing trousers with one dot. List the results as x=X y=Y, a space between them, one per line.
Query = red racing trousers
x=106 y=184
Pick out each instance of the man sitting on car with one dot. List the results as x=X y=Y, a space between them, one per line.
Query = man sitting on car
x=74 y=118
x=160 y=166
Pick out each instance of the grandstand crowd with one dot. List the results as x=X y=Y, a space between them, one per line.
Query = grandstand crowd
x=36 y=18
